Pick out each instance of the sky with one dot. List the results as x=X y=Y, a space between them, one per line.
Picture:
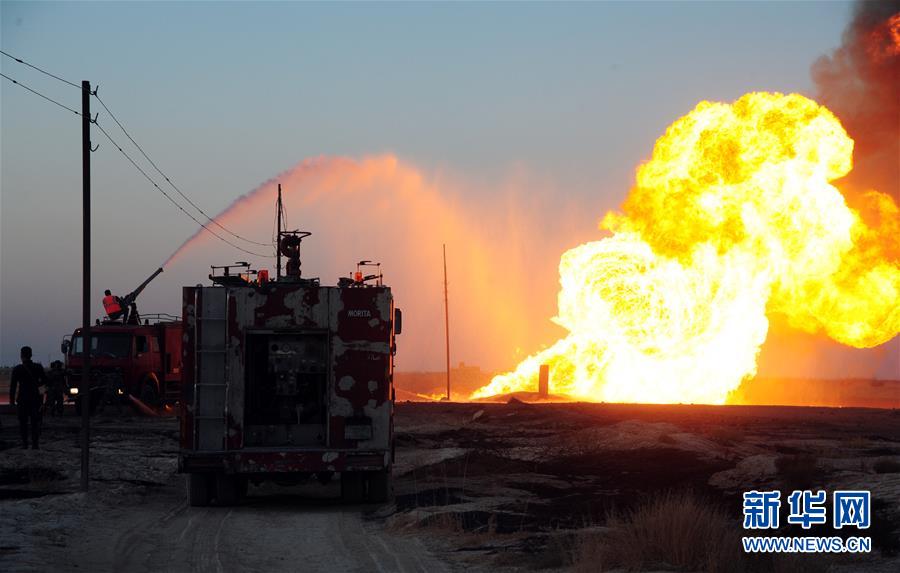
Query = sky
x=562 y=101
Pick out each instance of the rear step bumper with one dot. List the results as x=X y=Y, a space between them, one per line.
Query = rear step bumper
x=282 y=461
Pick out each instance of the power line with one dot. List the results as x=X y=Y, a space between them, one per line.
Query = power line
x=167 y=196
x=128 y=135
x=37 y=93
x=169 y=181
x=45 y=72
x=138 y=167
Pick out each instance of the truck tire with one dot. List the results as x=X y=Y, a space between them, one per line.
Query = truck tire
x=380 y=486
x=226 y=490
x=199 y=489
x=95 y=402
x=150 y=392
x=352 y=487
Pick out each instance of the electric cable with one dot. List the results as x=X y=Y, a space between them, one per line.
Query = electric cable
x=35 y=92
x=45 y=72
x=167 y=196
x=169 y=181
x=128 y=135
x=128 y=157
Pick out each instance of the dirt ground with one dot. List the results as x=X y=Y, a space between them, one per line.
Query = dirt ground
x=478 y=487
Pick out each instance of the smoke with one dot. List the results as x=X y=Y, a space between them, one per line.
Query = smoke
x=860 y=83
x=502 y=248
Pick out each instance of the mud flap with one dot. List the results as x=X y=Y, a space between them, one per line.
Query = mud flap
x=199 y=489
x=352 y=487
x=227 y=490
x=379 y=486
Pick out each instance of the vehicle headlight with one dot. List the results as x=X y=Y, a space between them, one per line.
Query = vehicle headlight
x=73 y=391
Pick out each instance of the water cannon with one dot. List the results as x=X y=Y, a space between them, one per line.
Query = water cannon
x=289 y=247
x=127 y=311
x=129 y=298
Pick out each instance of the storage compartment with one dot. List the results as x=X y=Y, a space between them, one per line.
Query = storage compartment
x=287 y=376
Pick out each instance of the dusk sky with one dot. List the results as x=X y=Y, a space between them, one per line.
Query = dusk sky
x=224 y=96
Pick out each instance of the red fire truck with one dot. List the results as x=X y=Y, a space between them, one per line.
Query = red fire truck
x=138 y=357
x=285 y=380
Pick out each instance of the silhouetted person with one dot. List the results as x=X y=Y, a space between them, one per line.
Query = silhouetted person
x=112 y=305
x=27 y=378
x=56 y=389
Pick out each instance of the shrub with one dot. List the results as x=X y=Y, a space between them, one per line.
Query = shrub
x=726 y=435
x=798 y=471
x=667 y=439
x=673 y=530
x=886 y=466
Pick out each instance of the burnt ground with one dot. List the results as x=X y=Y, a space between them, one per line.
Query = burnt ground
x=478 y=486
x=513 y=483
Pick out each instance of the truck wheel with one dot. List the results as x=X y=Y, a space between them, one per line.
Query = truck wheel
x=352 y=487
x=198 y=489
x=149 y=394
x=226 y=490
x=94 y=404
x=380 y=486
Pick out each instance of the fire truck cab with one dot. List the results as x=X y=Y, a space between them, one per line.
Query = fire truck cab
x=286 y=380
x=143 y=360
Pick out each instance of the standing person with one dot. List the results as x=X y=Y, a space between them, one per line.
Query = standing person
x=27 y=377
x=56 y=389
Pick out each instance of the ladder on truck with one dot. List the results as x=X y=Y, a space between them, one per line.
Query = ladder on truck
x=210 y=380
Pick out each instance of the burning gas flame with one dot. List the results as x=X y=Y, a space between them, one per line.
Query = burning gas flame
x=734 y=216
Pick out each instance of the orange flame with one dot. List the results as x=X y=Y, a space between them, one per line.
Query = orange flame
x=734 y=216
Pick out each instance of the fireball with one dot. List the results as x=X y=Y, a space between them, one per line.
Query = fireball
x=734 y=217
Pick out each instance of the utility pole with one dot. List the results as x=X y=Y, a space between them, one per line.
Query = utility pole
x=446 y=322
x=84 y=393
x=278 y=236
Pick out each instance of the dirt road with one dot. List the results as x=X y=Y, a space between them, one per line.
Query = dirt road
x=136 y=518
x=267 y=535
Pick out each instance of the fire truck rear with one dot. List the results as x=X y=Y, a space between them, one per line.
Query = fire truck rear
x=286 y=380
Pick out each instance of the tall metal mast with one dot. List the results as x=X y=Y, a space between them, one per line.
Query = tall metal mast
x=278 y=236
x=446 y=322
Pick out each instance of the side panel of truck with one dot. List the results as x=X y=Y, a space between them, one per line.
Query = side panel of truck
x=170 y=354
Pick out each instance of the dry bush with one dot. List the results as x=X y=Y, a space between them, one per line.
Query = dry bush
x=798 y=471
x=448 y=521
x=673 y=530
x=857 y=443
x=886 y=466
x=726 y=435
x=445 y=521
x=667 y=439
